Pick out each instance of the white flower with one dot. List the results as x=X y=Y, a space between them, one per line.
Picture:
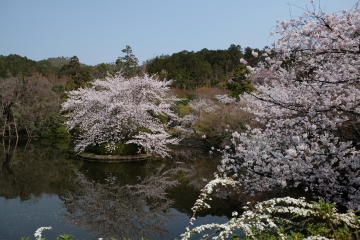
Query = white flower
x=255 y=54
x=39 y=231
x=243 y=61
x=292 y=152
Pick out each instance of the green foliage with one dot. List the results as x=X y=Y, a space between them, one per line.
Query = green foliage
x=252 y=61
x=192 y=96
x=52 y=126
x=161 y=117
x=279 y=219
x=196 y=69
x=128 y=64
x=58 y=88
x=57 y=62
x=17 y=66
x=325 y=221
x=184 y=110
x=70 y=84
x=65 y=237
x=78 y=75
x=240 y=83
x=52 y=65
x=102 y=70
x=192 y=70
x=184 y=101
x=61 y=132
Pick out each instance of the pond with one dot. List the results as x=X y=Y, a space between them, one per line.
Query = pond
x=43 y=183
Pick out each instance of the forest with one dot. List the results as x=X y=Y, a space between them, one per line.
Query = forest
x=31 y=92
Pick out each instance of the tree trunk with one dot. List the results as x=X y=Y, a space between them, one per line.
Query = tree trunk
x=3 y=134
x=16 y=131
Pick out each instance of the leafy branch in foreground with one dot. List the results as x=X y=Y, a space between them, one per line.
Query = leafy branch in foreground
x=278 y=218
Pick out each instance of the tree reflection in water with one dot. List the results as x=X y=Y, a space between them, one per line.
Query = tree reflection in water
x=31 y=168
x=111 y=210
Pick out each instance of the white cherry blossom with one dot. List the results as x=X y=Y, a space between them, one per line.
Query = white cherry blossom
x=120 y=110
x=309 y=107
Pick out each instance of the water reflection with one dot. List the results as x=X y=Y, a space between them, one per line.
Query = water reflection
x=107 y=199
x=128 y=211
x=134 y=200
x=30 y=168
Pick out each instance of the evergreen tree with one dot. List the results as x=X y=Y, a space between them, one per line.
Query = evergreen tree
x=78 y=76
x=240 y=82
x=128 y=64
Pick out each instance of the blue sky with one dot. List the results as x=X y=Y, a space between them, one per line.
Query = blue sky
x=97 y=30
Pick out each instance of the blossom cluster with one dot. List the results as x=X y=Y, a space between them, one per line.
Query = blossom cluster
x=121 y=110
x=266 y=215
x=308 y=107
x=39 y=231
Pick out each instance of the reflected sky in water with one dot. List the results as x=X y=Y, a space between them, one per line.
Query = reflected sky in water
x=22 y=218
x=37 y=177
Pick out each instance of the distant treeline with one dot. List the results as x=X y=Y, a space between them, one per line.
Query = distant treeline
x=203 y=68
x=189 y=70
x=31 y=92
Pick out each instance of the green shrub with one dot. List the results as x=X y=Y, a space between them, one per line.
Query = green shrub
x=193 y=96
x=184 y=110
x=184 y=101
x=62 y=132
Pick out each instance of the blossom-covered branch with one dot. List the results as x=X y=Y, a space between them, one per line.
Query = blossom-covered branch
x=309 y=109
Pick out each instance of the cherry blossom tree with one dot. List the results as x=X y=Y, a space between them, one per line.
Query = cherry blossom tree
x=119 y=110
x=309 y=107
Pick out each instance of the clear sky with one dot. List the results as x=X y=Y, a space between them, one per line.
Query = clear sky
x=97 y=30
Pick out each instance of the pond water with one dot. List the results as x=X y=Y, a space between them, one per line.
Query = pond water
x=42 y=183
